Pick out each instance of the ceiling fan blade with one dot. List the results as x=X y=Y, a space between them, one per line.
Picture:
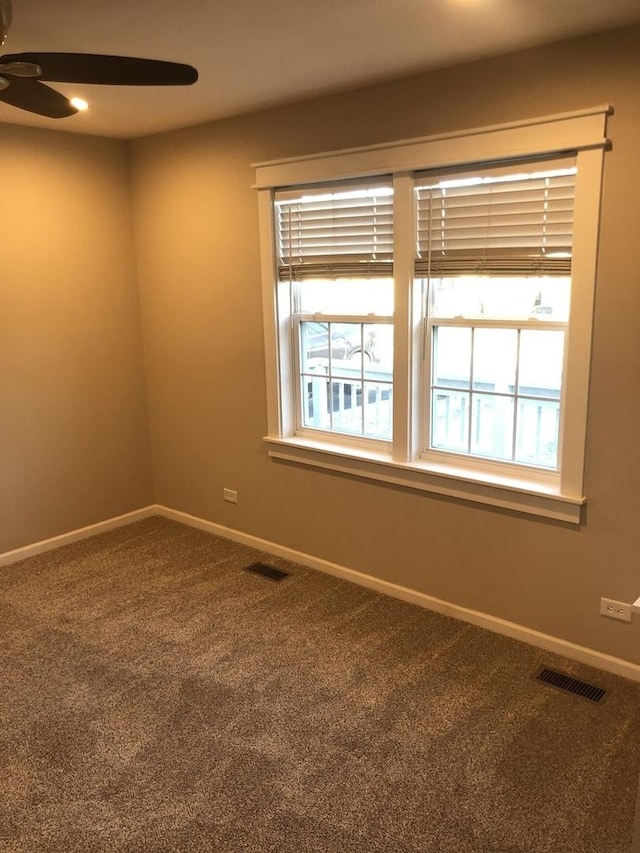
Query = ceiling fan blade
x=107 y=70
x=36 y=98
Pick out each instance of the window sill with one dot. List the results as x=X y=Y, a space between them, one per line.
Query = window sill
x=509 y=493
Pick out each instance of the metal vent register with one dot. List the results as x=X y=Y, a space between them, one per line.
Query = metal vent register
x=267 y=571
x=568 y=684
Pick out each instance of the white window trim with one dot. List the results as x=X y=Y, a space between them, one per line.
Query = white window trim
x=583 y=132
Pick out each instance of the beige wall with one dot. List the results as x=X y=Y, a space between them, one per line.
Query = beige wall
x=74 y=446
x=197 y=239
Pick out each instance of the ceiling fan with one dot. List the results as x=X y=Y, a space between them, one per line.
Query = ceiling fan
x=22 y=75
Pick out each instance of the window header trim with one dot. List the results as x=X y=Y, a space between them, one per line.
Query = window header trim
x=575 y=131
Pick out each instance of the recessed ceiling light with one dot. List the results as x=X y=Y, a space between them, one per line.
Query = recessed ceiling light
x=80 y=104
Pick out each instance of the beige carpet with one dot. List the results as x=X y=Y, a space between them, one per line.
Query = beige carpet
x=156 y=697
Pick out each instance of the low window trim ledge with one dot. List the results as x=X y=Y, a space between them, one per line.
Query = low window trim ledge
x=530 y=498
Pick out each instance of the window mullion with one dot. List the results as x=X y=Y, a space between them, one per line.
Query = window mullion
x=474 y=322
x=405 y=343
x=516 y=399
x=370 y=319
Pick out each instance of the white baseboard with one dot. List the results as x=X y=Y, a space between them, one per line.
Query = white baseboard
x=45 y=545
x=617 y=666
x=602 y=661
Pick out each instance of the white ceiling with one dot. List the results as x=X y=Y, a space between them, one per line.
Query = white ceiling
x=258 y=53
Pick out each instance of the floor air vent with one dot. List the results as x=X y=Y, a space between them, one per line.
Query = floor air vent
x=267 y=571
x=569 y=684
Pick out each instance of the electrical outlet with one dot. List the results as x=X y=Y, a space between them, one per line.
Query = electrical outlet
x=615 y=609
x=230 y=495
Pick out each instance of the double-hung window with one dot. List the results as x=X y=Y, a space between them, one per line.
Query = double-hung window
x=335 y=249
x=494 y=263
x=428 y=310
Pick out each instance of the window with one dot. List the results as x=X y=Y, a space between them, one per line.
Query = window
x=335 y=248
x=429 y=324
x=494 y=262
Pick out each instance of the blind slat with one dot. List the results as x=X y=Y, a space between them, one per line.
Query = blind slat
x=478 y=206
x=492 y=263
x=349 y=267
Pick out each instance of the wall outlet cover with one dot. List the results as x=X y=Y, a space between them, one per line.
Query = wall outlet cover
x=615 y=609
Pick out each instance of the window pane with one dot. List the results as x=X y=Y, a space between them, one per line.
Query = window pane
x=315 y=401
x=330 y=404
x=521 y=298
x=346 y=400
x=452 y=357
x=494 y=360
x=379 y=338
x=314 y=346
x=346 y=296
x=537 y=438
x=352 y=349
x=378 y=410
x=450 y=420
x=541 y=360
x=492 y=426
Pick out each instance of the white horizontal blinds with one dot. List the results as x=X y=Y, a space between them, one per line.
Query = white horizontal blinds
x=344 y=231
x=509 y=221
